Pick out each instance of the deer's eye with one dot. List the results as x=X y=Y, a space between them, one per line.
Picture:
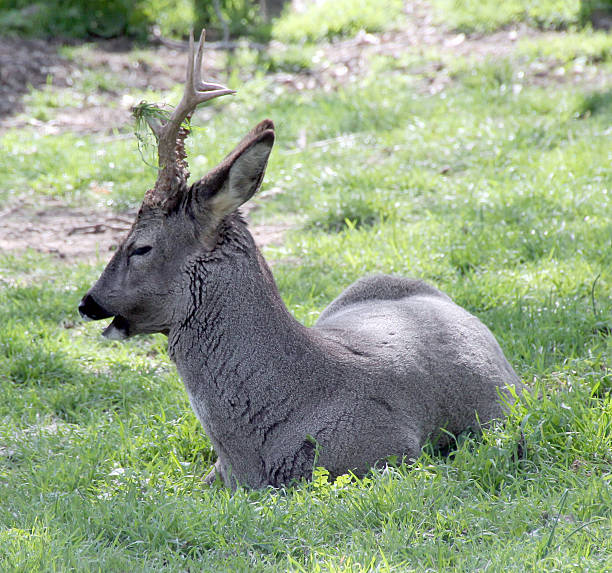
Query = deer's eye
x=140 y=251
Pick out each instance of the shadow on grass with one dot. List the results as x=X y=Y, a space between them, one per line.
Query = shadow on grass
x=596 y=103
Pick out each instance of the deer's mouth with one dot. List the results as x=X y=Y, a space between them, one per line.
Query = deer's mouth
x=118 y=329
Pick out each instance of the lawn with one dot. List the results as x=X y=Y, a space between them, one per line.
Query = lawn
x=496 y=188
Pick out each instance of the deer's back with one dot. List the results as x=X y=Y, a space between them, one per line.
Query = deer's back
x=419 y=353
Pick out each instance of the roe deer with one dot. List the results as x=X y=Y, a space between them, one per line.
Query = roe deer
x=391 y=363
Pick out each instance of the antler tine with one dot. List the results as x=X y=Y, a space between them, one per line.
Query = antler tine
x=198 y=83
x=198 y=62
x=205 y=91
x=195 y=93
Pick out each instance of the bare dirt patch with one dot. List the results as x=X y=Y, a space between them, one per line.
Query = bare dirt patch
x=84 y=234
x=67 y=233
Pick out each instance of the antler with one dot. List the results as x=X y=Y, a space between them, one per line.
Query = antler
x=171 y=132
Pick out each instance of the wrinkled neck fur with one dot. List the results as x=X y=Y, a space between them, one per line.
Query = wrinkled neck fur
x=235 y=323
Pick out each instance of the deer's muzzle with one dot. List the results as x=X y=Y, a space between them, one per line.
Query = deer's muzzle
x=89 y=309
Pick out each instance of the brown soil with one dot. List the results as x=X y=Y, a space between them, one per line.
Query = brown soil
x=83 y=234
x=68 y=233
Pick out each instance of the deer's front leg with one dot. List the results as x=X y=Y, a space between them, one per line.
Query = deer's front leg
x=212 y=475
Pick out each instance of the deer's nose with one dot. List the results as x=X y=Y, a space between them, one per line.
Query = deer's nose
x=89 y=309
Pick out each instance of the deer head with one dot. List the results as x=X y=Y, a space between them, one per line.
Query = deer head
x=147 y=279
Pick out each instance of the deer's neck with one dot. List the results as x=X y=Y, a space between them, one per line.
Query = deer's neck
x=239 y=351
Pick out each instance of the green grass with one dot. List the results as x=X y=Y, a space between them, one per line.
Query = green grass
x=90 y=170
x=336 y=18
x=490 y=15
x=585 y=46
x=499 y=197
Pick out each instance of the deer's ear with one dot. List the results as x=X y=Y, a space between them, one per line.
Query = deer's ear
x=244 y=176
x=236 y=179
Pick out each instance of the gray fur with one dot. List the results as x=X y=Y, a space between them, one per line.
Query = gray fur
x=389 y=363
